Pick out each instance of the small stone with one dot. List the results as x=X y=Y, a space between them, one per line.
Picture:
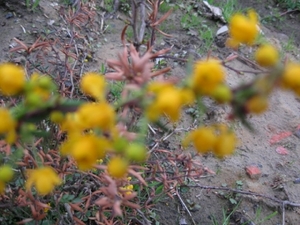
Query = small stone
x=9 y=15
x=253 y=172
x=282 y=150
x=297 y=181
x=297 y=133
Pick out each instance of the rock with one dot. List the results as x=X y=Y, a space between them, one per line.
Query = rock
x=9 y=15
x=253 y=172
x=282 y=150
x=297 y=181
x=297 y=133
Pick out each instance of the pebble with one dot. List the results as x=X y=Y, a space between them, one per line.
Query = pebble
x=9 y=15
x=297 y=181
x=253 y=172
x=297 y=133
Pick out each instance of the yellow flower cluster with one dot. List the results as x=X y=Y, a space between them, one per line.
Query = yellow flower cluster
x=12 y=79
x=7 y=126
x=218 y=139
x=243 y=29
x=85 y=127
x=6 y=174
x=117 y=167
x=207 y=76
x=38 y=90
x=86 y=149
x=128 y=189
x=291 y=77
x=93 y=84
x=96 y=115
x=267 y=55
x=44 y=179
x=168 y=100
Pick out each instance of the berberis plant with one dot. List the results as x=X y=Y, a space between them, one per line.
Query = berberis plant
x=96 y=157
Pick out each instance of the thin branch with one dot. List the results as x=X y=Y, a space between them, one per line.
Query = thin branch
x=279 y=201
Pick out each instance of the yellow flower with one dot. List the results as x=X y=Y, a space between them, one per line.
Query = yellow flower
x=222 y=93
x=2 y=187
x=7 y=126
x=6 y=173
x=117 y=167
x=93 y=84
x=72 y=123
x=12 y=79
x=136 y=152
x=207 y=76
x=85 y=149
x=203 y=138
x=225 y=144
x=218 y=139
x=38 y=90
x=128 y=189
x=44 y=179
x=99 y=161
x=57 y=116
x=291 y=77
x=243 y=29
x=46 y=209
x=257 y=104
x=168 y=100
x=267 y=56
x=97 y=115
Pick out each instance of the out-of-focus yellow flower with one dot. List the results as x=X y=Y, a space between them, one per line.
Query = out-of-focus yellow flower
x=46 y=209
x=38 y=90
x=128 y=189
x=57 y=116
x=225 y=144
x=267 y=55
x=2 y=187
x=7 y=126
x=291 y=77
x=85 y=149
x=72 y=123
x=136 y=152
x=207 y=76
x=44 y=179
x=97 y=115
x=12 y=79
x=99 y=161
x=6 y=173
x=203 y=138
x=156 y=87
x=243 y=29
x=222 y=94
x=218 y=139
x=168 y=100
x=93 y=84
x=257 y=104
x=117 y=167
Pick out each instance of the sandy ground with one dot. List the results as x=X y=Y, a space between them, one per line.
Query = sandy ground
x=279 y=172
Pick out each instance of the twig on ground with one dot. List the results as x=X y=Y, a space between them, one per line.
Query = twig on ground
x=280 y=15
x=146 y=221
x=242 y=72
x=152 y=130
x=249 y=63
x=184 y=205
x=282 y=203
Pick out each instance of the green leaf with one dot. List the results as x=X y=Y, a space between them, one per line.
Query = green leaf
x=233 y=201
x=239 y=183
